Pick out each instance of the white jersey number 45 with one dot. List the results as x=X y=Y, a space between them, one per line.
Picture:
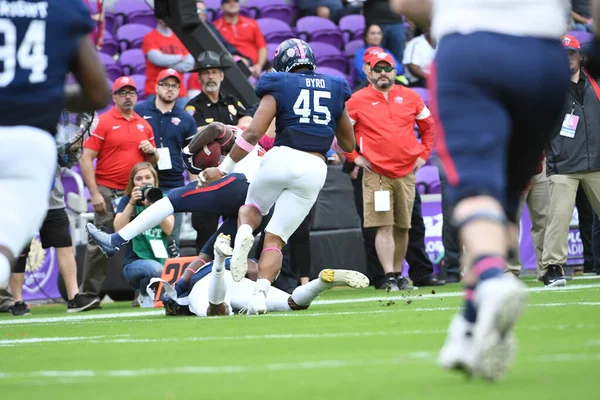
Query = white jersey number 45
x=320 y=114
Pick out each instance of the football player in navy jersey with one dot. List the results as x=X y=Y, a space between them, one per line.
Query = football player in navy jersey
x=310 y=110
x=42 y=41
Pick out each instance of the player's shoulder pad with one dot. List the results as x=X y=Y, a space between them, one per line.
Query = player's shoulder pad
x=270 y=82
x=76 y=13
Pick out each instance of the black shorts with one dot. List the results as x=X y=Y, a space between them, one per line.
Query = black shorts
x=55 y=230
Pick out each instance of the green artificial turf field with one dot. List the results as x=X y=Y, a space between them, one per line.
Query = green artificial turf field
x=351 y=344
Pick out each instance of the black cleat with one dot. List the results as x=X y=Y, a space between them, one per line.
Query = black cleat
x=20 y=308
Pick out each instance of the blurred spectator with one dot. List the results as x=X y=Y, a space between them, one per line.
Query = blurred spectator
x=537 y=198
x=244 y=34
x=418 y=56
x=212 y=106
x=121 y=140
x=329 y=9
x=373 y=36
x=163 y=49
x=581 y=11
x=97 y=34
x=573 y=159
x=147 y=252
x=173 y=129
x=384 y=113
x=596 y=243
x=394 y=35
x=452 y=250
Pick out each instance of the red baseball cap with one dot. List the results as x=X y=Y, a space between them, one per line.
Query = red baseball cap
x=570 y=43
x=370 y=51
x=381 y=57
x=167 y=73
x=122 y=82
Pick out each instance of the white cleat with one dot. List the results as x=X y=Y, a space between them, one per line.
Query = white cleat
x=344 y=277
x=223 y=246
x=244 y=240
x=258 y=303
x=458 y=352
x=499 y=303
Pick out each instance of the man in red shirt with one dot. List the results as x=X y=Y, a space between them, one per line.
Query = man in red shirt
x=163 y=49
x=243 y=33
x=384 y=116
x=121 y=140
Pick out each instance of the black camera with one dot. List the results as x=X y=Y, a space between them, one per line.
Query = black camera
x=153 y=194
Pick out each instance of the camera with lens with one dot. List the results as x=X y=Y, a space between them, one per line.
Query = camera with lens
x=153 y=194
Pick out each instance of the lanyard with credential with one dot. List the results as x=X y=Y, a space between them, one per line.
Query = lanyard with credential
x=163 y=128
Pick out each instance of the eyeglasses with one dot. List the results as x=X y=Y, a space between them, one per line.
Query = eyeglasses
x=125 y=93
x=200 y=11
x=168 y=86
x=379 y=68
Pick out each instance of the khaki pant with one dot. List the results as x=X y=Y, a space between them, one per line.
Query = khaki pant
x=402 y=198
x=96 y=263
x=537 y=197
x=563 y=190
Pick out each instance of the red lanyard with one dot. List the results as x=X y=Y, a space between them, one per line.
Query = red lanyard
x=594 y=84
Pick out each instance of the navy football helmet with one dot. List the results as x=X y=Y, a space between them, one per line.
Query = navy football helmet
x=292 y=53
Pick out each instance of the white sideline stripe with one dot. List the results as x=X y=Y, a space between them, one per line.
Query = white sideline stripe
x=449 y=294
x=427 y=357
x=77 y=318
x=282 y=336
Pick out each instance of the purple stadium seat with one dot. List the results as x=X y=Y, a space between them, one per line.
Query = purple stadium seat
x=110 y=45
x=327 y=55
x=133 y=12
x=110 y=65
x=140 y=82
x=109 y=21
x=317 y=29
x=212 y=8
x=274 y=30
x=132 y=62
x=424 y=93
x=428 y=176
x=583 y=37
x=271 y=47
x=277 y=9
x=352 y=27
x=131 y=36
x=330 y=71
x=351 y=48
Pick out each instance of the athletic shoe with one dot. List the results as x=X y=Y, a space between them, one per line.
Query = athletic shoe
x=80 y=302
x=258 y=303
x=499 y=303
x=457 y=353
x=344 y=277
x=391 y=285
x=554 y=277
x=102 y=239
x=174 y=309
x=20 y=308
x=404 y=285
x=244 y=240
x=222 y=247
x=146 y=301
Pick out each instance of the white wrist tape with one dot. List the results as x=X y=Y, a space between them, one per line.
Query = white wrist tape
x=226 y=165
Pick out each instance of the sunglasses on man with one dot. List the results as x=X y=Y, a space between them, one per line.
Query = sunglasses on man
x=379 y=68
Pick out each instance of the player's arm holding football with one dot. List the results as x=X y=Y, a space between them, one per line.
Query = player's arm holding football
x=244 y=144
x=93 y=91
x=206 y=134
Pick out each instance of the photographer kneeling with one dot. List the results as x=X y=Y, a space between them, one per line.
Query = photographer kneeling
x=146 y=253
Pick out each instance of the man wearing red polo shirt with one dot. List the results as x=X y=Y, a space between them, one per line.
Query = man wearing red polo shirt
x=384 y=116
x=121 y=140
x=243 y=33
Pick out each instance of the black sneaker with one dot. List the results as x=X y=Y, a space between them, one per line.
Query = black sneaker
x=174 y=309
x=20 y=309
x=428 y=280
x=391 y=285
x=404 y=285
x=554 y=276
x=82 y=303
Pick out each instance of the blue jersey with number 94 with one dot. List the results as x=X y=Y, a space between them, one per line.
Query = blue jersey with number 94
x=38 y=44
x=308 y=106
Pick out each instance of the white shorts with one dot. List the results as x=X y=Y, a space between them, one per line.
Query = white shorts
x=238 y=295
x=292 y=179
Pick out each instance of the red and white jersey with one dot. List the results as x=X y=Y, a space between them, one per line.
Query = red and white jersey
x=538 y=18
x=248 y=165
